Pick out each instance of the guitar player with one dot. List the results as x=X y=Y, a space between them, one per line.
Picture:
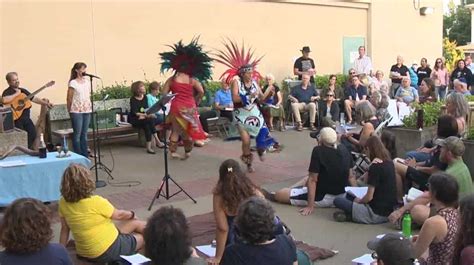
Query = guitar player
x=24 y=122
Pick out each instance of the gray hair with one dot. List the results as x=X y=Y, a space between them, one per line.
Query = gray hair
x=365 y=110
x=459 y=101
x=379 y=99
x=270 y=76
x=9 y=76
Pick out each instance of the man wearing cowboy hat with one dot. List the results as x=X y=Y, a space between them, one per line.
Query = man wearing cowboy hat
x=304 y=64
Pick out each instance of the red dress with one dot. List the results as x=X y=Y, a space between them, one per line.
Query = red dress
x=184 y=110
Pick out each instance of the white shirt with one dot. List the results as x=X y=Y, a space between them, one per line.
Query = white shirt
x=81 y=102
x=363 y=65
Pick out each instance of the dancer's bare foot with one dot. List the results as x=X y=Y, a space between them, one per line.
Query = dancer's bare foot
x=250 y=169
x=186 y=156
x=176 y=156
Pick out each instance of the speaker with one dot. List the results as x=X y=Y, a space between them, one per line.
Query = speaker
x=6 y=120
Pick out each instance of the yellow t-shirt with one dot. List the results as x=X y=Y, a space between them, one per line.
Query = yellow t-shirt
x=91 y=225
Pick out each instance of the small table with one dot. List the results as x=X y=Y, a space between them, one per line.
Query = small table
x=39 y=178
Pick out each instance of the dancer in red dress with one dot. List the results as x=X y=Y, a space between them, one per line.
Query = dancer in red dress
x=190 y=65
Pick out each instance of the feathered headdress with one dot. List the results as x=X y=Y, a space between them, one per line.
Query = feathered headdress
x=189 y=59
x=238 y=60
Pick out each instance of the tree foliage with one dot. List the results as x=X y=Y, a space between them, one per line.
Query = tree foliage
x=457 y=23
x=451 y=53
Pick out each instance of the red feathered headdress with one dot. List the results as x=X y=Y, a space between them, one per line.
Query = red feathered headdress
x=238 y=61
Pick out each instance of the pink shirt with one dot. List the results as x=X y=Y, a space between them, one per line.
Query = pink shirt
x=440 y=77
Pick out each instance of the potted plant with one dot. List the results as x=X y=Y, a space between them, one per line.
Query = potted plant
x=468 y=156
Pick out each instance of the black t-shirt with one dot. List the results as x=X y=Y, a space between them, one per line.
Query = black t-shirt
x=304 y=65
x=435 y=161
x=465 y=72
x=282 y=251
x=423 y=73
x=332 y=166
x=137 y=106
x=402 y=70
x=382 y=178
x=304 y=95
x=10 y=91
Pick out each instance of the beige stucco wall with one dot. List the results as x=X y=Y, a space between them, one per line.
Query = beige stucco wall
x=42 y=39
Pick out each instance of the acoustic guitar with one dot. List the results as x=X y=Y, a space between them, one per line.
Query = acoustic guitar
x=21 y=102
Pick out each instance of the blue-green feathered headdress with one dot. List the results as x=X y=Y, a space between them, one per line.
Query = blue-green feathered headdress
x=189 y=59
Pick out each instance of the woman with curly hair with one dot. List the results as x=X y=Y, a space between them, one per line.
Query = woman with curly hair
x=464 y=246
x=259 y=245
x=90 y=219
x=25 y=233
x=168 y=239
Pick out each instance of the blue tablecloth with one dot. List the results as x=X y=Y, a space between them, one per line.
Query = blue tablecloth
x=39 y=178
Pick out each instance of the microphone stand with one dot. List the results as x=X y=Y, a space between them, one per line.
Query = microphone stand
x=98 y=183
x=99 y=163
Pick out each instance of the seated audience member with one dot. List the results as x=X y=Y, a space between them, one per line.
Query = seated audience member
x=304 y=98
x=168 y=239
x=458 y=107
x=329 y=173
x=427 y=91
x=393 y=249
x=259 y=245
x=152 y=98
x=406 y=93
x=232 y=189
x=460 y=86
x=378 y=83
x=273 y=106
x=380 y=101
x=25 y=232
x=329 y=110
x=356 y=94
x=464 y=246
x=381 y=197
x=438 y=233
x=446 y=126
x=390 y=142
x=461 y=71
x=366 y=116
x=351 y=73
x=90 y=219
x=223 y=101
x=138 y=118
x=334 y=88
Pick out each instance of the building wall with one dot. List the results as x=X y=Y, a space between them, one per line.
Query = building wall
x=120 y=40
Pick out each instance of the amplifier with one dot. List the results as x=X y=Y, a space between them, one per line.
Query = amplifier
x=6 y=120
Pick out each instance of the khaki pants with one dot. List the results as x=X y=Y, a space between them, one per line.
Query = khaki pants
x=302 y=107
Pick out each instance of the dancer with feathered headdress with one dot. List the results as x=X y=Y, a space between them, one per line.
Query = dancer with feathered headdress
x=246 y=95
x=190 y=65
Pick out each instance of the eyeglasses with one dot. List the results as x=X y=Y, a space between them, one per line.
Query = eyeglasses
x=330 y=95
x=352 y=73
x=438 y=62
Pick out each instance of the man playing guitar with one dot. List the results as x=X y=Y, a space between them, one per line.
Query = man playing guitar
x=24 y=122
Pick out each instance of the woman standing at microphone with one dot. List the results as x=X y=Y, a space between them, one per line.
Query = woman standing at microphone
x=79 y=106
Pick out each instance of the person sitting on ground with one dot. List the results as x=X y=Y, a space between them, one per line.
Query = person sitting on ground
x=329 y=110
x=328 y=174
x=458 y=107
x=392 y=249
x=380 y=101
x=273 y=106
x=460 y=86
x=464 y=246
x=139 y=119
x=355 y=142
x=232 y=188
x=90 y=219
x=304 y=98
x=427 y=91
x=381 y=196
x=390 y=142
x=355 y=94
x=259 y=245
x=168 y=239
x=406 y=93
x=25 y=232
x=378 y=83
x=438 y=232
x=334 y=88
x=446 y=126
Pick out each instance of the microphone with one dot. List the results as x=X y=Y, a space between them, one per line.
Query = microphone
x=90 y=75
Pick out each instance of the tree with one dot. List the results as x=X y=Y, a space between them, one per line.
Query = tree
x=451 y=53
x=457 y=23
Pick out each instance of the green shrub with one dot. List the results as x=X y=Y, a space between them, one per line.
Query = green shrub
x=116 y=91
x=470 y=98
x=431 y=112
x=470 y=134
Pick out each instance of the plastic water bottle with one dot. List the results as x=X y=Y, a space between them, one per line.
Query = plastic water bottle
x=406 y=225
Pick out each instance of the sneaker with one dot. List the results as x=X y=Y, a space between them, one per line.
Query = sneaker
x=340 y=217
x=268 y=195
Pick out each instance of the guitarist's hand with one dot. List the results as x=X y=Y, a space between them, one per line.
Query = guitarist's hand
x=48 y=103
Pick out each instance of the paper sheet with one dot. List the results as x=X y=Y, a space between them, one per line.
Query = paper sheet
x=135 y=259
x=359 y=192
x=413 y=193
x=208 y=250
x=363 y=260
x=12 y=163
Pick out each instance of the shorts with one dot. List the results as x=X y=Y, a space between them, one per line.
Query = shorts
x=124 y=244
x=362 y=213
x=299 y=197
x=418 y=177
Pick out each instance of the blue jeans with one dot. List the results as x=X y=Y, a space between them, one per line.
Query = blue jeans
x=344 y=203
x=80 y=125
x=418 y=156
x=441 y=92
